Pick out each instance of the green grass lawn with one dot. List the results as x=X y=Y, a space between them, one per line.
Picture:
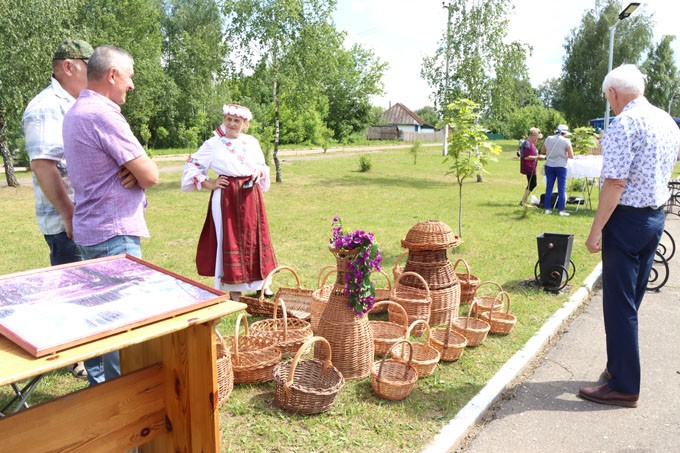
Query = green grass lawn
x=499 y=243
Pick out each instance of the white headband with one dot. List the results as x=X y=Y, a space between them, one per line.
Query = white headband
x=237 y=110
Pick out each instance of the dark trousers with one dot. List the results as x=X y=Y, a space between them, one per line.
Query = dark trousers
x=531 y=181
x=629 y=240
x=62 y=249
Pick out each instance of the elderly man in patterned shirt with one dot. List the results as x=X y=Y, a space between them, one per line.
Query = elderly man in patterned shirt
x=639 y=150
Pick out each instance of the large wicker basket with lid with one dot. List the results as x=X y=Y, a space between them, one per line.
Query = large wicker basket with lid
x=430 y=235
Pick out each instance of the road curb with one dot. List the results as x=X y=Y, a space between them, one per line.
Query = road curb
x=453 y=434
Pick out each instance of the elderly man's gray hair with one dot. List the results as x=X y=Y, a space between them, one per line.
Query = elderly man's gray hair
x=626 y=78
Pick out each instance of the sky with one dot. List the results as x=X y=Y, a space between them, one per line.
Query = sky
x=402 y=32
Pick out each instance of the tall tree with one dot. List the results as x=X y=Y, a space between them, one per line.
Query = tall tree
x=587 y=50
x=474 y=52
x=26 y=57
x=195 y=56
x=269 y=30
x=549 y=93
x=662 y=74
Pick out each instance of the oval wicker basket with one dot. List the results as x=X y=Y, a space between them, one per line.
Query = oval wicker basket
x=425 y=357
x=252 y=357
x=225 y=370
x=501 y=322
x=307 y=386
x=485 y=302
x=393 y=379
x=472 y=328
x=415 y=301
x=468 y=283
x=430 y=235
x=320 y=295
x=287 y=333
x=385 y=333
x=298 y=299
x=448 y=342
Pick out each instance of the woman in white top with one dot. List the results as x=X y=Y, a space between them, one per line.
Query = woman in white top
x=235 y=245
x=557 y=150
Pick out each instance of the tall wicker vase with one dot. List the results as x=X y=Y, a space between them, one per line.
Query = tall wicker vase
x=349 y=334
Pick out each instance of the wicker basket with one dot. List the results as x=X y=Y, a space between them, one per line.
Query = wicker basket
x=298 y=299
x=485 y=302
x=501 y=322
x=416 y=301
x=252 y=357
x=472 y=328
x=320 y=295
x=385 y=333
x=225 y=370
x=438 y=275
x=425 y=357
x=393 y=379
x=468 y=283
x=448 y=342
x=307 y=386
x=430 y=235
x=287 y=333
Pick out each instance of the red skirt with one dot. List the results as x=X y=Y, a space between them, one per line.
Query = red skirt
x=247 y=250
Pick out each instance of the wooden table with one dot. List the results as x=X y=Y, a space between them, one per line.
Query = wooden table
x=165 y=399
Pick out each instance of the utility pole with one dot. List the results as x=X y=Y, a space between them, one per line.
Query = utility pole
x=445 y=149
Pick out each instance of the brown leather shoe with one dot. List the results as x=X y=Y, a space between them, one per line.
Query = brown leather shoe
x=604 y=394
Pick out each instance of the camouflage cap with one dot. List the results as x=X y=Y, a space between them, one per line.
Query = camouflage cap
x=76 y=49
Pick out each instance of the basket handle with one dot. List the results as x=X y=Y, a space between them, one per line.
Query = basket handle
x=396 y=263
x=417 y=275
x=473 y=305
x=300 y=352
x=237 y=329
x=391 y=353
x=284 y=313
x=487 y=283
x=270 y=277
x=502 y=296
x=403 y=311
x=467 y=267
x=325 y=272
x=387 y=278
x=220 y=340
x=427 y=329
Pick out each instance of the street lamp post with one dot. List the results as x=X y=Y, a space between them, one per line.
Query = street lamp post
x=445 y=149
x=627 y=11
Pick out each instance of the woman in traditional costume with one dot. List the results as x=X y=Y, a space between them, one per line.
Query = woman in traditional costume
x=234 y=246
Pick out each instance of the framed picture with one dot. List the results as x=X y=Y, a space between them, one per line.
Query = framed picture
x=54 y=308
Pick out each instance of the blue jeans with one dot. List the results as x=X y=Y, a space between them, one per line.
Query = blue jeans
x=629 y=240
x=107 y=366
x=62 y=249
x=552 y=174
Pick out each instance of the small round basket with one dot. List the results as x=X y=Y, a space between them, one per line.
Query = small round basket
x=425 y=357
x=225 y=370
x=320 y=295
x=393 y=379
x=385 y=333
x=415 y=301
x=486 y=302
x=307 y=386
x=252 y=357
x=448 y=342
x=430 y=235
x=501 y=322
x=287 y=333
x=472 y=328
x=468 y=282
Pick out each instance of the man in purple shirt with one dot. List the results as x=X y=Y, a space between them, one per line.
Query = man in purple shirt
x=109 y=170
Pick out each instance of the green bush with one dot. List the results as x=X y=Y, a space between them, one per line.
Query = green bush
x=364 y=163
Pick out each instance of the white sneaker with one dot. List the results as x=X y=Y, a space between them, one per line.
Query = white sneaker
x=564 y=213
x=548 y=211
